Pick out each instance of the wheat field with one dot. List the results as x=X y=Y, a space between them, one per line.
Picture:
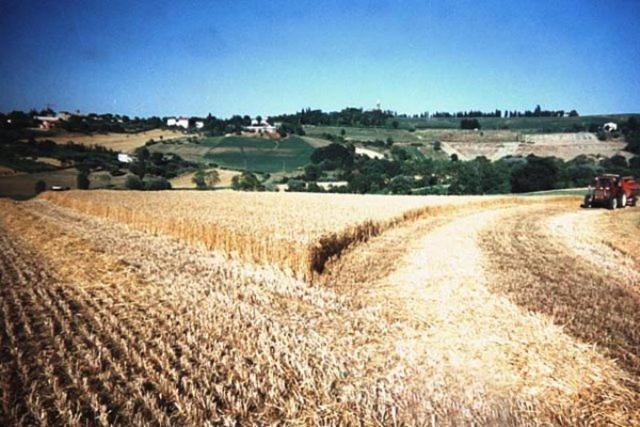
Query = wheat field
x=298 y=232
x=117 y=308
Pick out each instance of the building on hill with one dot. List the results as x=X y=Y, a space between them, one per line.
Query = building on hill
x=47 y=122
x=125 y=158
x=54 y=120
x=610 y=127
x=261 y=127
x=182 y=122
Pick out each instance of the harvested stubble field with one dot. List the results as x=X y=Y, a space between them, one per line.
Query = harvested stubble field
x=124 y=142
x=474 y=311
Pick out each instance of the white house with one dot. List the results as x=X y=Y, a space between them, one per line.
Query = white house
x=260 y=126
x=179 y=122
x=199 y=124
x=47 y=122
x=328 y=185
x=369 y=153
x=125 y=158
x=610 y=126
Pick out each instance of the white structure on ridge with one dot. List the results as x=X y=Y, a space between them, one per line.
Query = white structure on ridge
x=178 y=121
x=125 y=158
x=261 y=126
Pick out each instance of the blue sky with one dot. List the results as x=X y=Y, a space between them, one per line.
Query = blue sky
x=225 y=57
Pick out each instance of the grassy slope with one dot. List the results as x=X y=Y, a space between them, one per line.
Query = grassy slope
x=364 y=134
x=257 y=154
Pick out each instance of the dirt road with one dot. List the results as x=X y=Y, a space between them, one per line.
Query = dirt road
x=505 y=314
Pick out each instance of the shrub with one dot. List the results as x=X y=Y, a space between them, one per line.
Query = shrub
x=296 y=185
x=469 y=124
x=537 y=174
x=312 y=172
x=133 y=182
x=82 y=181
x=157 y=184
x=246 y=181
x=40 y=186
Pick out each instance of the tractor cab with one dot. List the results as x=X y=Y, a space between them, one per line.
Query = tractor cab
x=613 y=191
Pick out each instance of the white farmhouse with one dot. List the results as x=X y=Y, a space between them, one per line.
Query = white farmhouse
x=178 y=121
x=125 y=158
x=47 y=122
x=328 y=185
x=610 y=126
x=261 y=126
x=372 y=154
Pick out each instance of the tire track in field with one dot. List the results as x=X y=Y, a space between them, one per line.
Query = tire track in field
x=541 y=260
x=607 y=240
x=498 y=361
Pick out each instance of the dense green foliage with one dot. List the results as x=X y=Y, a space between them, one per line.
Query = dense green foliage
x=133 y=182
x=631 y=131
x=205 y=179
x=405 y=174
x=82 y=180
x=40 y=186
x=85 y=123
x=470 y=124
x=246 y=181
x=157 y=164
x=18 y=155
x=155 y=183
x=334 y=156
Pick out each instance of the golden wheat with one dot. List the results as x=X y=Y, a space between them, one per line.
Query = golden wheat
x=104 y=323
x=295 y=231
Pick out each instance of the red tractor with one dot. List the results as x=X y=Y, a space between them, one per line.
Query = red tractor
x=613 y=191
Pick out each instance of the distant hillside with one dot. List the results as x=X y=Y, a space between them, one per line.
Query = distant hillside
x=529 y=124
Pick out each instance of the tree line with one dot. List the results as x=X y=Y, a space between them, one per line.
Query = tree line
x=537 y=112
x=404 y=174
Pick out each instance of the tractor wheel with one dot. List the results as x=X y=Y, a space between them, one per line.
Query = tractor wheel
x=623 y=201
x=613 y=203
x=587 y=201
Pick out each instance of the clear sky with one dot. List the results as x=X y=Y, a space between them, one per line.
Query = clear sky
x=267 y=57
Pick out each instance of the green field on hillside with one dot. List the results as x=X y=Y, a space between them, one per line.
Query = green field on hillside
x=258 y=154
x=364 y=134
